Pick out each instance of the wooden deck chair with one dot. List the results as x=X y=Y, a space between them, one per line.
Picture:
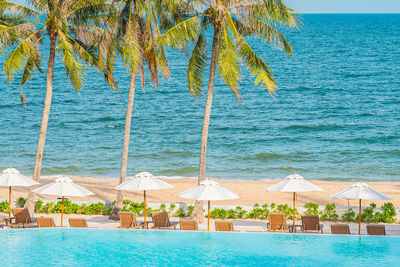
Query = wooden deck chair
x=22 y=218
x=128 y=220
x=189 y=225
x=277 y=222
x=340 y=229
x=78 y=222
x=161 y=220
x=45 y=222
x=310 y=223
x=376 y=229
x=223 y=226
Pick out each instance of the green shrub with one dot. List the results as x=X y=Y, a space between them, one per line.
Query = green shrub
x=288 y=211
x=38 y=206
x=109 y=210
x=189 y=210
x=388 y=215
x=180 y=212
x=329 y=213
x=231 y=214
x=219 y=214
x=4 y=207
x=349 y=215
x=240 y=212
x=21 y=202
x=312 y=209
x=368 y=214
x=163 y=207
x=256 y=213
x=48 y=208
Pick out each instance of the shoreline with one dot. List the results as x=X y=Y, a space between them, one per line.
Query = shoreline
x=178 y=177
x=250 y=192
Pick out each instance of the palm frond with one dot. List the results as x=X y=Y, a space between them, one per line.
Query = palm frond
x=18 y=9
x=257 y=67
x=17 y=58
x=197 y=66
x=251 y=26
x=181 y=34
x=272 y=11
x=32 y=64
x=130 y=49
x=72 y=65
x=228 y=62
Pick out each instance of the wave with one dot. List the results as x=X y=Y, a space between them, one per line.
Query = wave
x=315 y=127
x=265 y=156
x=185 y=171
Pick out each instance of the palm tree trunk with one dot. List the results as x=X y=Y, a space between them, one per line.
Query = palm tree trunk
x=125 y=150
x=30 y=201
x=198 y=208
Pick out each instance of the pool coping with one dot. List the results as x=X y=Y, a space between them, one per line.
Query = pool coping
x=189 y=231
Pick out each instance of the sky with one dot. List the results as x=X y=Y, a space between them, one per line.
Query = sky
x=337 y=6
x=344 y=6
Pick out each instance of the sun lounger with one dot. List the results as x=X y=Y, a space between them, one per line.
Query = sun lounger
x=78 y=222
x=190 y=225
x=277 y=222
x=21 y=218
x=128 y=220
x=223 y=226
x=310 y=223
x=340 y=229
x=45 y=222
x=161 y=220
x=376 y=229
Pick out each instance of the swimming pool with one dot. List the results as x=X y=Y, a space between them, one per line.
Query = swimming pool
x=84 y=247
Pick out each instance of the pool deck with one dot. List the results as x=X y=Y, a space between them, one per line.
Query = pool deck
x=99 y=221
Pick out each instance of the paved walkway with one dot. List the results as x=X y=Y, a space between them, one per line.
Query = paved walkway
x=99 y=221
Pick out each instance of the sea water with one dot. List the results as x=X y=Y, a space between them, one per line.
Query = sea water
x=335 y=116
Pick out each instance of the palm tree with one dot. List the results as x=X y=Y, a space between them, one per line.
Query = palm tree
x=72 y=26
x=231 y=21
x=136 y=27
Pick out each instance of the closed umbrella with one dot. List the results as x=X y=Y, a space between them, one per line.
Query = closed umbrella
x=360 y=191
x=63 y=187
x=12 y=177
x=208 y=190
x=143 y=181
x=294 y=183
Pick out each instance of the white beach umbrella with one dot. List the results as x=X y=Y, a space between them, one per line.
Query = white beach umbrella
x=360 y=191
x=12 y=177
x=208 y=190
x=294 y=183
x=63 y=187
x=143 y=181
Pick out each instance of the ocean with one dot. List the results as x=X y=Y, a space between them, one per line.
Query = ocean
x=336 y=115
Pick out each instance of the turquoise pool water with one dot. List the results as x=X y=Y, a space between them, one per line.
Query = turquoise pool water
x=84 y=247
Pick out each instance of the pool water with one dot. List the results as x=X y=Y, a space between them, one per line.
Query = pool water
x=85 y=247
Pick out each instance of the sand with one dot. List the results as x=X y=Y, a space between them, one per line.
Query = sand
x=250 y=192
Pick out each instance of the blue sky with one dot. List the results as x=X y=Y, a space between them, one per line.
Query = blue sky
x=345 y=6
x=338 y=6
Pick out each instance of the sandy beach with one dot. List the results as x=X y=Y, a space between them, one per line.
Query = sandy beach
x=250 y=192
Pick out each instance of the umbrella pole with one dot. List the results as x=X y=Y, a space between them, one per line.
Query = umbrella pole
x=294 y=214
x=208 y=227
x=359 y=218
x=144 y=205
x=9 y=204
x=62 y=210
